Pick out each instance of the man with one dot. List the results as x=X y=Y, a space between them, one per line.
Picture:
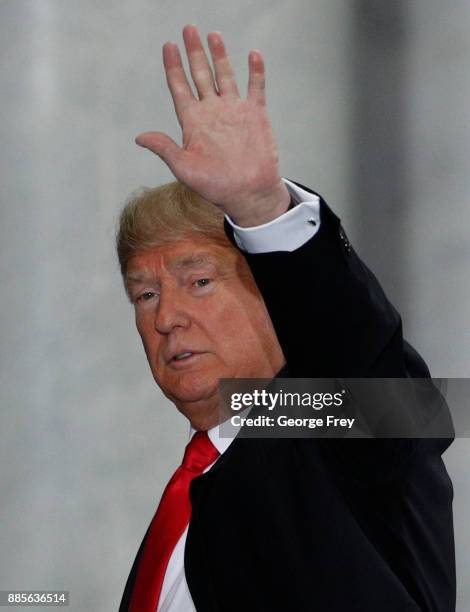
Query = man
x=269 y=524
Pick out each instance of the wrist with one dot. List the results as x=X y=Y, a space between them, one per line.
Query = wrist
x=263 y=209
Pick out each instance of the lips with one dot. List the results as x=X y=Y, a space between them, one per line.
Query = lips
x=180 y=355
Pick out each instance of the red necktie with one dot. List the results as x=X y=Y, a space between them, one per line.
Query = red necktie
x=168 y=524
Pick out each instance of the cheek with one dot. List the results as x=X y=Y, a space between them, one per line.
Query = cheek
x=246 y=324
x=148 y=336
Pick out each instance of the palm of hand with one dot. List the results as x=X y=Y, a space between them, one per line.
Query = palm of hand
x=229 y=150
x=228 y=155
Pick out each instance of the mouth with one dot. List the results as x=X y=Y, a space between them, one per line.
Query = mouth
x=181 y=356
x=184 y=357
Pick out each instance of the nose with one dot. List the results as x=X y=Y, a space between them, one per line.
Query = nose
x=171 y=312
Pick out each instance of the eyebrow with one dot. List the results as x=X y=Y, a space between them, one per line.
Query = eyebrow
x=137 y=277
x=179 y=263
x=192 y=261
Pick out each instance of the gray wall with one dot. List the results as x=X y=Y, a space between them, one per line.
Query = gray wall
x=370 y=106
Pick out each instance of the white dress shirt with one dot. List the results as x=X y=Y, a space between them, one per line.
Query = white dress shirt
x=286 y=233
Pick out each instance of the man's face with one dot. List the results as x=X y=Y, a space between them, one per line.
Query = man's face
x=201 y=318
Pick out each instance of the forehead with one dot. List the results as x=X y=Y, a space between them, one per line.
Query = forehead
x=180 y=255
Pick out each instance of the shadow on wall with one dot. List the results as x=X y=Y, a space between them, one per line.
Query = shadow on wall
x=379 y=144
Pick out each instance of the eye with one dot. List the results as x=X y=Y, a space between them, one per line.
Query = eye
x=202 y=282
x=144 y=297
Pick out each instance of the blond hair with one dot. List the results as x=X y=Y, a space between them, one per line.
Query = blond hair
x=153 y=216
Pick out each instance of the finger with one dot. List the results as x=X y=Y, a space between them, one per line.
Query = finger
x=256 y=78
x=224 y=75
x=178 y=83
x=199 y=66
x=166 y=148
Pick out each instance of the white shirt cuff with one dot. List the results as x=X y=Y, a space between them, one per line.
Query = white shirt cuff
x=286 y=233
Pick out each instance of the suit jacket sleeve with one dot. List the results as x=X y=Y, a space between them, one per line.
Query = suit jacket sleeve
x=331 y=316
x=333 y=320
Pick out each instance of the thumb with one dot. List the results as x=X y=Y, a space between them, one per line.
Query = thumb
x=163 y=146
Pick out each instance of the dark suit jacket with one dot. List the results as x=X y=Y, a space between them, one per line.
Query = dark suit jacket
x=329 y=525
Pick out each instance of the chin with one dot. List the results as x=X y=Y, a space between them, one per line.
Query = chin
x=195 y=390
x=202 y=413
x=199 y=404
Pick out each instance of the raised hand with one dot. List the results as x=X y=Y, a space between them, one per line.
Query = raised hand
x=228 y=154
